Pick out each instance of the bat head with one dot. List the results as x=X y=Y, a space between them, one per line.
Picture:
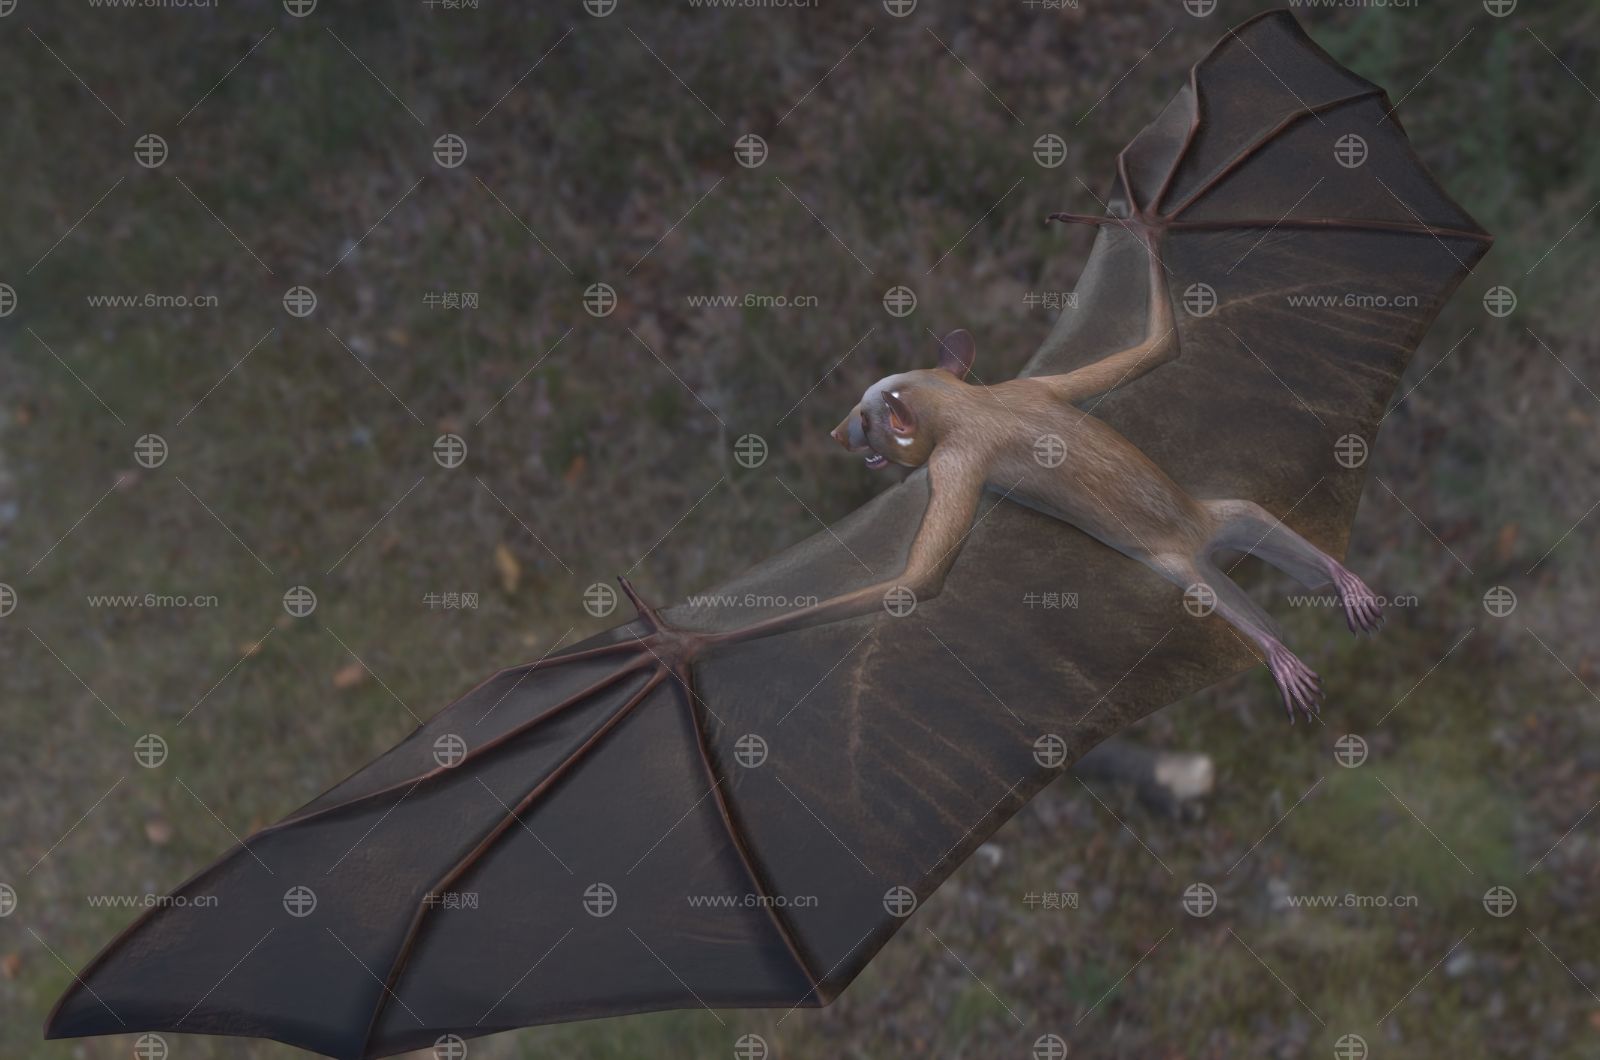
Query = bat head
x=897 y=420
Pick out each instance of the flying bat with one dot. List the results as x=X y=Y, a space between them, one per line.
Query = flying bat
x=734 y=802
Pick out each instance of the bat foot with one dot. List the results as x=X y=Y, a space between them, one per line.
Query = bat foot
x=1362 y=611
x=1297 y=683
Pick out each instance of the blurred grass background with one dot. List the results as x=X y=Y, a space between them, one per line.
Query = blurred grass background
x=591 y=438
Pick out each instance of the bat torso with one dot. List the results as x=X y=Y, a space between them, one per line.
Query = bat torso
x=1059 y=459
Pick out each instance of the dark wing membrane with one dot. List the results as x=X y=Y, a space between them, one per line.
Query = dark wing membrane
x=609 y=844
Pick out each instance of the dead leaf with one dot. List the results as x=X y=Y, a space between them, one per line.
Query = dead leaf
x=510 y=569
x=349 y=675
x=575 y=469
x=158 y=831
x=10 y=965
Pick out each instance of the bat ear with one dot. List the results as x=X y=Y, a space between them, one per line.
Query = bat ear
x=901 y=418
x=957 y=351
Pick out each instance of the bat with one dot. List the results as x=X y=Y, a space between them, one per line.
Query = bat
x=736 y=802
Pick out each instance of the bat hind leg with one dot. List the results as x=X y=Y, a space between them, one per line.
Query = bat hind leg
x=1245 y=526
x=1297 y=683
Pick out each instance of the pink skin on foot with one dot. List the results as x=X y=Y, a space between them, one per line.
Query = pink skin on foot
x=1362 y=612
x=1298 y=685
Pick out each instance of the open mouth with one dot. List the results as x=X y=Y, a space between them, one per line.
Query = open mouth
x=875 y=461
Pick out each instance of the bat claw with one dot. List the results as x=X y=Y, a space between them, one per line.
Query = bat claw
x=646 y=612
